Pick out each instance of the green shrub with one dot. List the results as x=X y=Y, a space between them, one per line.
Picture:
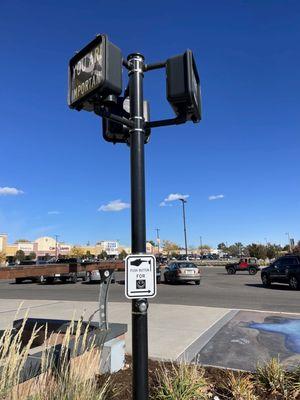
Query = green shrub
x=181 y=382
x=239 y=386
x=274 y=379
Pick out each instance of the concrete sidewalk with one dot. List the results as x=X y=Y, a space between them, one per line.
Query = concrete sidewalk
x=172 y=328
x=211 y=336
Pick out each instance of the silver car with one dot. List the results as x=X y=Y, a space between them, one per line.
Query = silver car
x=94 y=276
x=182 y=271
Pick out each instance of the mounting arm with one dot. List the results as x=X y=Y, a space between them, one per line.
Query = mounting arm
x=100 y=110
x=165 y=122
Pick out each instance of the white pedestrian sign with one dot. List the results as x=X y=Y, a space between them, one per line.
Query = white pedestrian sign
x=140 y=276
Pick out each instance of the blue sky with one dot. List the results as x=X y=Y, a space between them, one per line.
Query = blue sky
x=246 y=148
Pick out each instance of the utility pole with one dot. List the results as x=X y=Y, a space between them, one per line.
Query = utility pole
x=184 y=225
x=56 y=249
x=157 y=239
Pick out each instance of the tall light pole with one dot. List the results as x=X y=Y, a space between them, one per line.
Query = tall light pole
x=183 y=201
x=201 y=250
x=56 y=249
x=288 y=235
x=157 y=238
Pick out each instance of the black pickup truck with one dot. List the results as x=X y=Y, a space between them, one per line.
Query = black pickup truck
x=285 y=269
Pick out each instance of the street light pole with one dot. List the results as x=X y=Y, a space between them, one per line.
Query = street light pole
x=201 y=245
x=157 y=238
x=184 y=226
x=56 y=249
x=290 y=245
x=138 y=224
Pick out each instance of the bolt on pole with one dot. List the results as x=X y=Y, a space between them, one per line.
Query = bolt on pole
x=140 y=389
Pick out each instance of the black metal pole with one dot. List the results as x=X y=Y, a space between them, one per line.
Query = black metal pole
x=140 y=389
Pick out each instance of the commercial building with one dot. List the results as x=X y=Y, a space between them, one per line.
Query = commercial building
x=48 y=246
x=150 y=249
x=110 y=247
x=3 y=242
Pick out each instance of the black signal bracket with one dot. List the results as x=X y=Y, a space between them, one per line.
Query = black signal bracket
x=157 y=65
x=166 y=122
x=147 y=67
x=102 y=112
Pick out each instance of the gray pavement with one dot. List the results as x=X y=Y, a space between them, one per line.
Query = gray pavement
x=217 y=289
x=206 y=335
x=229 y=321
x=172 y=328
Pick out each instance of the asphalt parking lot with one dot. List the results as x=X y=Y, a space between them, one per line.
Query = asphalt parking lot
x=217 y=289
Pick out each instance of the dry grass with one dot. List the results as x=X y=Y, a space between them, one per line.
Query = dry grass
x=181 y=382
x=239 y=386
x=70 y=379
x=274 y=380
x=12 y=359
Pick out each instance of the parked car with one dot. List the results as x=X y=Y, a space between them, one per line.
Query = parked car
x=158 y=274
x=92 y=276
x=210 y=256
x=285 y=269
x=182 y=271
x=249 y=264
x=181 y=257
x=161 y=260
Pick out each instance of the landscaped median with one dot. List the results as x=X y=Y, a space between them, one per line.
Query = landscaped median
x=68 y=364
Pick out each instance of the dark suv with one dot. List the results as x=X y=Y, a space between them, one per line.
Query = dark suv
x=285 y=269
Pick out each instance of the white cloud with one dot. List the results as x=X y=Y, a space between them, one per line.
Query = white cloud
x=10 y=191
x=54 y=212
x=216 y=197
x=164 y=204
x=114 y=205
x=176 y=196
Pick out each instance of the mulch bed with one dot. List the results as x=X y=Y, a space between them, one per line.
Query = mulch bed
x=122 y=381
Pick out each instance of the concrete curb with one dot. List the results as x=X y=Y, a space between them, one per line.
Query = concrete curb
x=188 y=355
